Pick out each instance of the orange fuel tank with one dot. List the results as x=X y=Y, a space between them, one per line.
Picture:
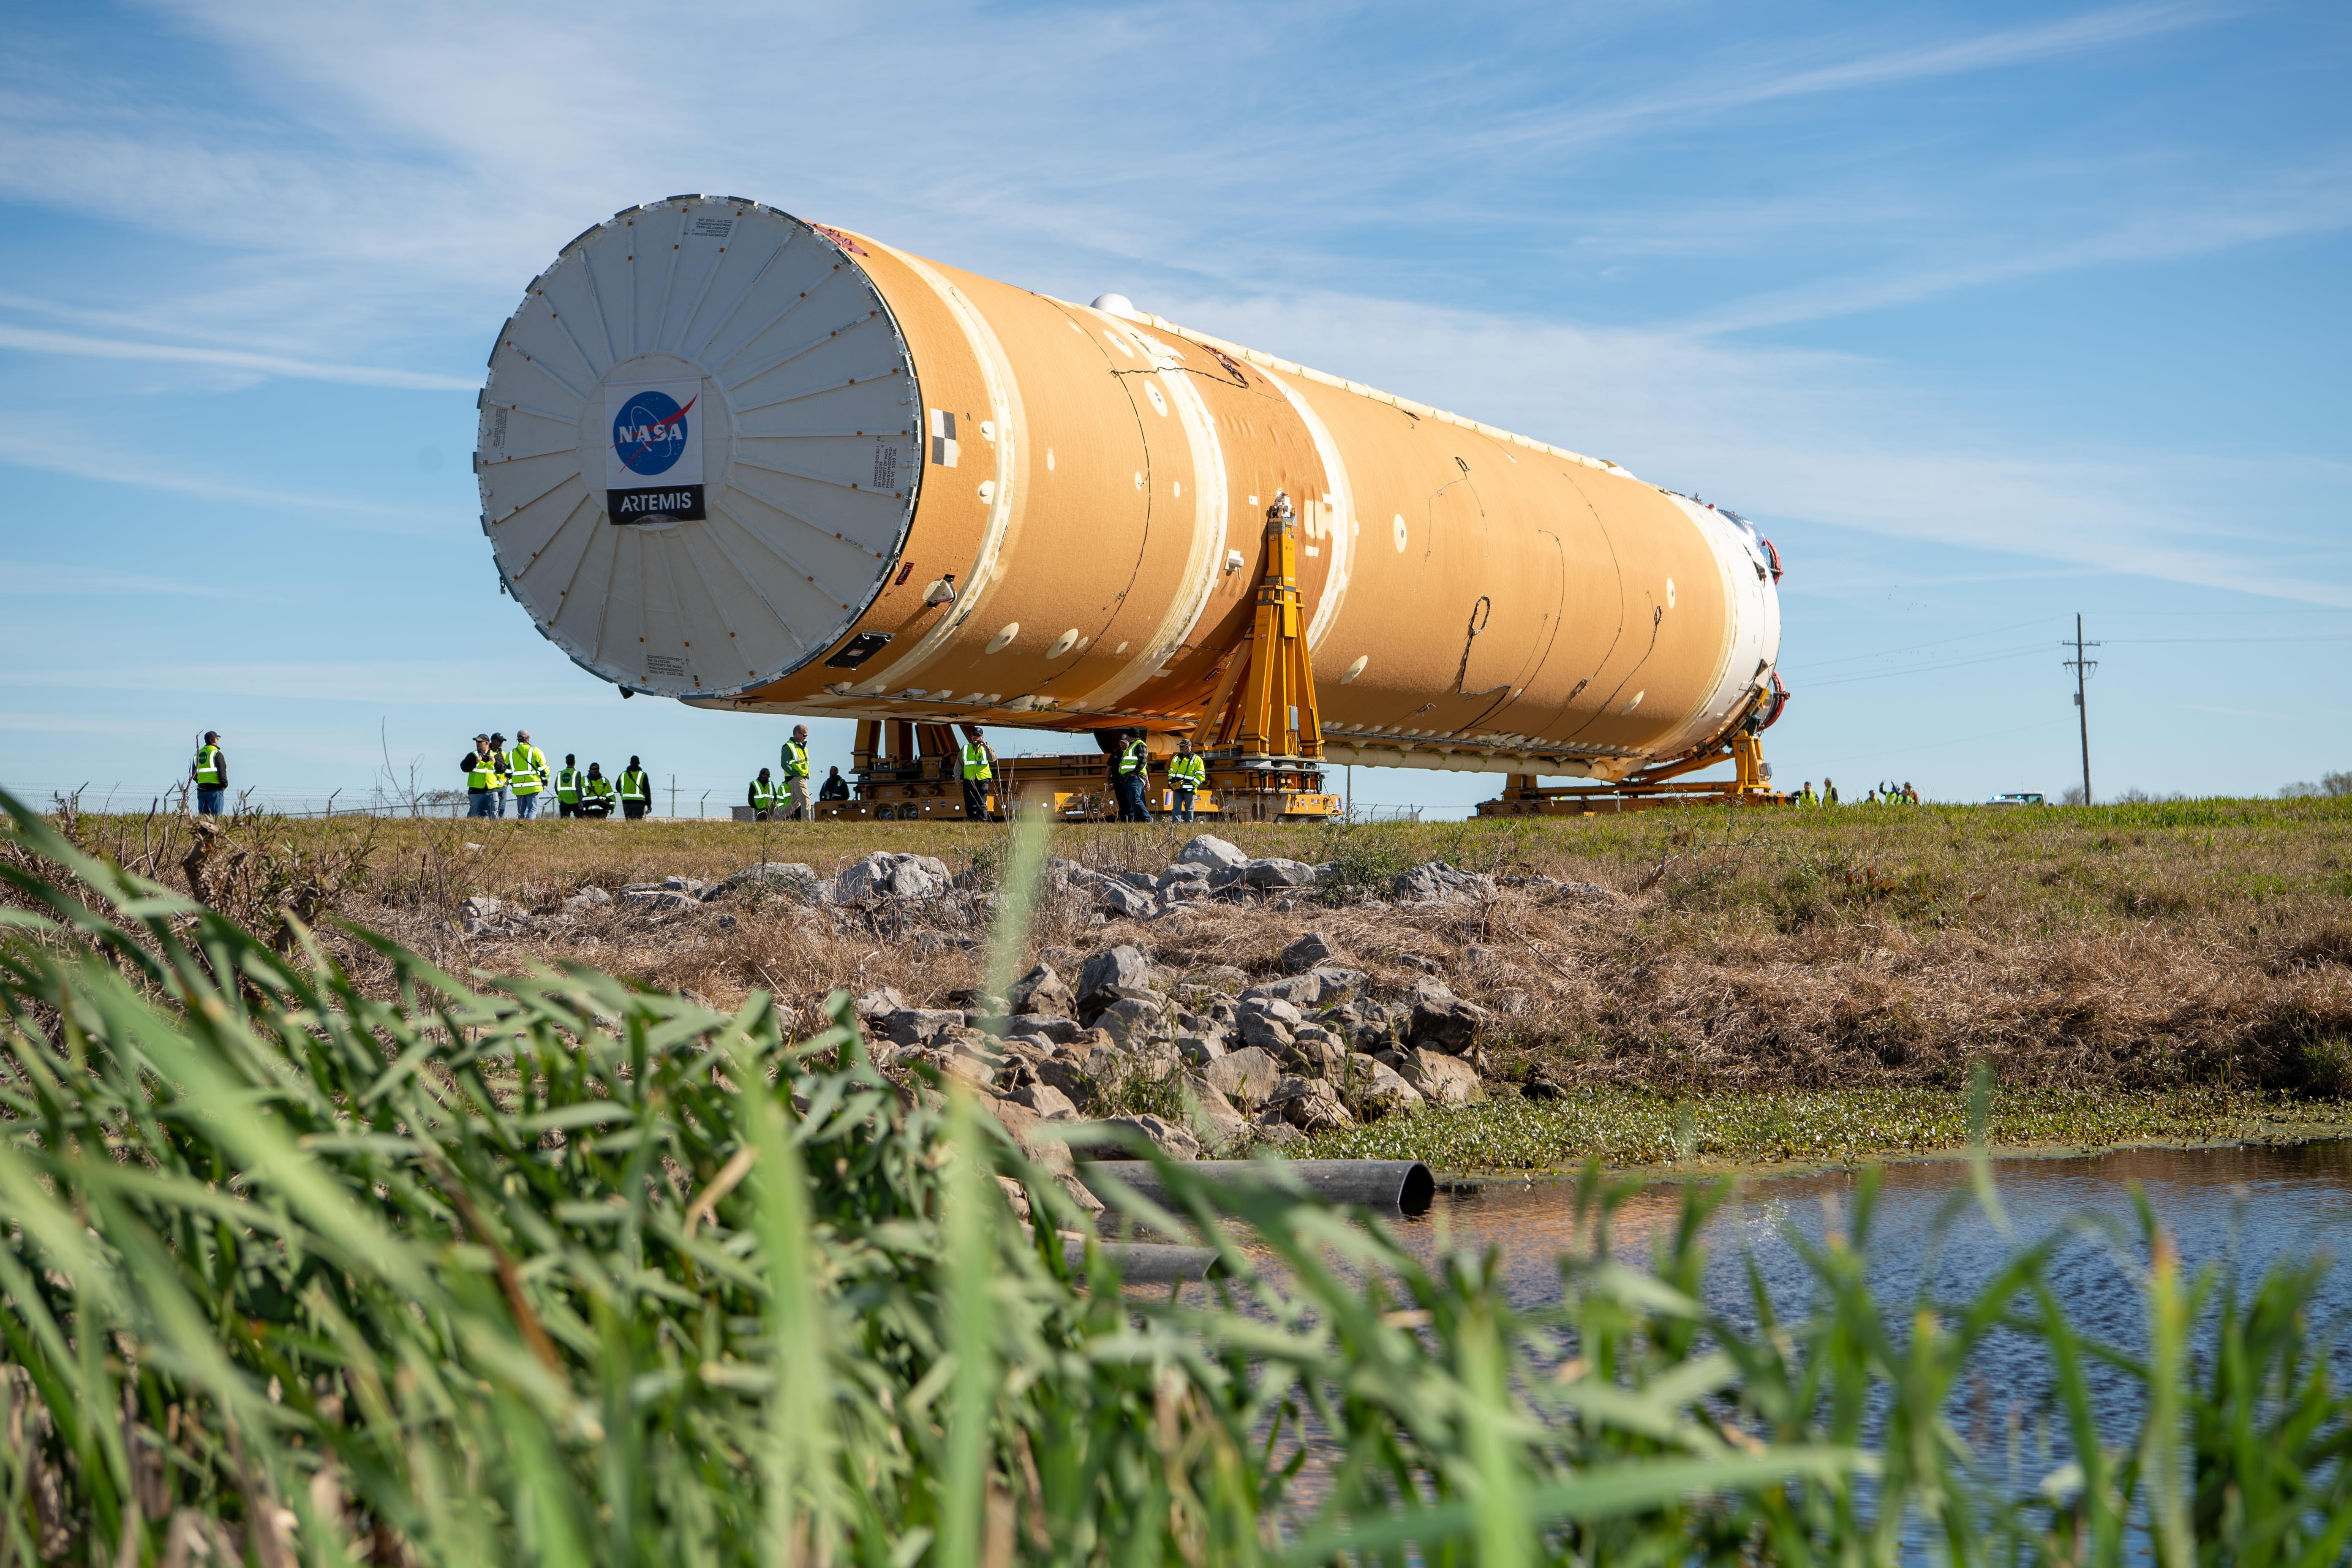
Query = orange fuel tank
x=750 y=462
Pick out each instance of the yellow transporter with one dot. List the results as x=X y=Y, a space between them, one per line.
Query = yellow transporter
x=750 y=462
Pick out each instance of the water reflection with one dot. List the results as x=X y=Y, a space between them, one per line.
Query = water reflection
x=2255 y=1204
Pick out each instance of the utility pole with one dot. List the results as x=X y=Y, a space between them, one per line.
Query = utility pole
x=673 y=787
x=2082 y=666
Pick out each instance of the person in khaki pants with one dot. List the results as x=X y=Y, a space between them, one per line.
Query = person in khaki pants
x=796 y=777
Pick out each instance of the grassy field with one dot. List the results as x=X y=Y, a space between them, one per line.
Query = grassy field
x=2179 y=970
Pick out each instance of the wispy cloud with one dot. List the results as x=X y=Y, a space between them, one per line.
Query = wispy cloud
x=79 y=455
x=34 y=341
x=1713 y=95
x=2316 y=200
x=43 y=579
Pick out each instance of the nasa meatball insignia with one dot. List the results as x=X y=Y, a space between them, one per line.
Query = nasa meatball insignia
x=656 y=436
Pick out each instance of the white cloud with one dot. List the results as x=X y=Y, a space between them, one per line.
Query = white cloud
x=28 y=579
x=78 y=454
x=33 y=340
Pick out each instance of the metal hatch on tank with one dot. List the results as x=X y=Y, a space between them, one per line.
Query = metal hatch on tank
x=759 y=464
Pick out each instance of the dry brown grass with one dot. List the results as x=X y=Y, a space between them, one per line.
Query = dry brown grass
x=2139 y=947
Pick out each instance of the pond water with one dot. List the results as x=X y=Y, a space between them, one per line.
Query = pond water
x=2246 y=1208
x=2250 y=1204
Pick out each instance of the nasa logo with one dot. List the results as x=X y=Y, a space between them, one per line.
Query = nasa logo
x=649 y=432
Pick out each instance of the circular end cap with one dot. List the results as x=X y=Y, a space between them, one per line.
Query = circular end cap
x=699 y=445
x=1118 y=305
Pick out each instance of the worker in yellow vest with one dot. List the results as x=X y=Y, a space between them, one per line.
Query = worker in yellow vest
x=482 y=776
x=527 y=768
x=979 y=774
x=498 y=763
x=762 y=797
x=209 y=773
x=796 y=776
x=636 y=791
x=596 y=796
x=567 y=787
x=1186 y=774
x=1131 y=775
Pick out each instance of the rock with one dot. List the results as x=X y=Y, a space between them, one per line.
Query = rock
x=1183 y=874
x=1268 y=1033
x=658 y=900
x=1113 y=973
x=1200 y=1050
x=1213 y=853
x=781 y=876
x=1309 y=952
x=1282 y=1012
x=880 y=1003
x=883 y=875
x=1042 y=990
x=1446 y=1024
x=910 y=1026
x=1276 y=872
x=1246 y=1076
x=1442 y=1079
x=1047 y=1100
x=1070 y=1078
x=1176 y=1142
x=1439 y=883
x=1415 y=961
x=1338 y=985
x=1298 y=991
x=1220 y=1125
x=1130 y=1021
x=726 y=923
x=1582 y=893
x=1118 y=898
x=1323 y=1056
x=1276 y=1131
x=591 y=896
x=1142 y=881
x=1378 y=1088
x=1022 y=1123
x=1061 y=1031
x=1310 y=1105
x=486 y=909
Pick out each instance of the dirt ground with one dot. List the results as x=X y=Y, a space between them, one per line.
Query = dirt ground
x=2132 y=947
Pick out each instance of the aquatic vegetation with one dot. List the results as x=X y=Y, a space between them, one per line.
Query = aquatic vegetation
x=1621 y=1127
x=555 y=1270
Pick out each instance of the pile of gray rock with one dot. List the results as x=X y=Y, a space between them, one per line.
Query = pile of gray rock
x=903 y=890
x=1309 y=1052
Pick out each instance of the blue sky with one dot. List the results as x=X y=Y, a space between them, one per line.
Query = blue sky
x=1987 y=313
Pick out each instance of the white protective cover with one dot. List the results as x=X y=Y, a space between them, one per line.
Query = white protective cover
x=804 y=427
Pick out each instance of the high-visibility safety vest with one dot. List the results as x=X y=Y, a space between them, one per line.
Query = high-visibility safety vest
x=635 y=787
x=1134 y=757
x=795 y=759
x=567 y=786
x=763 y=795
x=598 y=788
x=483 y=774
x=975 y=760
x=529 y=767
x=208 y=768
x=1186 y=771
